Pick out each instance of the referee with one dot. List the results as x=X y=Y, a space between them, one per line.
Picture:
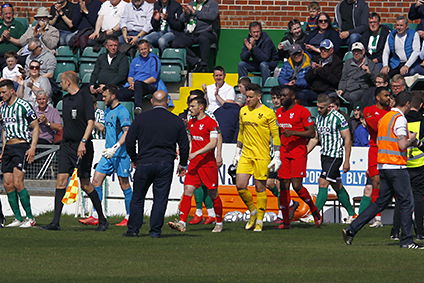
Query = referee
x=157 y=132
x=78 y=122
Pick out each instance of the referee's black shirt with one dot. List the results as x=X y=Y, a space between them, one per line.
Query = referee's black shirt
x=77 y=110
x=157 y=132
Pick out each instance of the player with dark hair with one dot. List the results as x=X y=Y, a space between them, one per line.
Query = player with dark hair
x=202 y=168
x=18 y=149
x=296 y=128
x=252 y=157
x=114 y=157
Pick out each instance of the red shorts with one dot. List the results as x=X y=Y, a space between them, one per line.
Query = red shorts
x=292 y=167
x=198 y=176
x=372 y=162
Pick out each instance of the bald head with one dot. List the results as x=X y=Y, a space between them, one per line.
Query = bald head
x=160 y=98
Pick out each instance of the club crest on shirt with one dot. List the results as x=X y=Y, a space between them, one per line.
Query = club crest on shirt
x=201 y=126
x=291 y=115
x=260 y=115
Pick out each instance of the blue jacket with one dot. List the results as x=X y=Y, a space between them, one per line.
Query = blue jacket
x=394 y=60
x=288 y=69
x=360 y=136
x=144 y=68
x=228 y=120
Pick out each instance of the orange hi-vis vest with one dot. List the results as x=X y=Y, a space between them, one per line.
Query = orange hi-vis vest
x=388 y=148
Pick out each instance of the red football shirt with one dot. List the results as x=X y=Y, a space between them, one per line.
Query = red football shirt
x=296 y=119
x=372 y=115
x=200 y=132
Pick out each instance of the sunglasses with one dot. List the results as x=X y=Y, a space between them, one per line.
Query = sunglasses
x=32 y=50
x=323 y=21
x=34 y=67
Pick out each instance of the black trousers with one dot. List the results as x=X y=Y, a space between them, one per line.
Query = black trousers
x=187 y=40
x=141 y=89
x=160 y=175
x=392 y=181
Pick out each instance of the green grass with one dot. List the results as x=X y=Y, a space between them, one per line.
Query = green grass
x=303 y=254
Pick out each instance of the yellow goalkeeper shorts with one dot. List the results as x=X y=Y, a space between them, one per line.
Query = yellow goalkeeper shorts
x=256 y=167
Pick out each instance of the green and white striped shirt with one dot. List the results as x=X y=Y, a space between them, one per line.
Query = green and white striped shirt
x=329 y=128
x=16 y=119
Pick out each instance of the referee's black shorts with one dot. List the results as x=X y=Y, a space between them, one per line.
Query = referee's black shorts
x=67 y=159
x=14 y=157
x=331 y=168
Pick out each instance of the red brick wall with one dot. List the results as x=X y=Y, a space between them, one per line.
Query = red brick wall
x=274 y=14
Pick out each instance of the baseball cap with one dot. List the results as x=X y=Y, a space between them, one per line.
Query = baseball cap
x=295 y=48
x=326 y=44
x=358 y=46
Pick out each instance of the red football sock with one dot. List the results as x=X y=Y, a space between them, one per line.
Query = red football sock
x=185 y=206
x=374 y=195
x=285 y=205
x=306 y=197
x=217 y=207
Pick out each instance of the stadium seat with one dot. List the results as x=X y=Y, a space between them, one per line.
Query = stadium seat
x=256 y=80
x=88 y=55
x=86 y=78
x=314 y=112
x=85 y=68
x=176 y=55
x=130 y=107
x=63 y=67
x=101 y=105
x=267 y=100
x=65 y=54
x=171 y=72
x=269 y=83
x=59 y=106
x=348 y=55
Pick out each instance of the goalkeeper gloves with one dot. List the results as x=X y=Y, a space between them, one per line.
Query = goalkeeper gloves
x=110 y=152
x=237 y=156
x=275 y=163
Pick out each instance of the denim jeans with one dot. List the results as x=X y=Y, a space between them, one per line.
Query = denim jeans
x=161 y=39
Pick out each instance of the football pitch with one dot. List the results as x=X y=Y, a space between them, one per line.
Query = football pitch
x=303 y=254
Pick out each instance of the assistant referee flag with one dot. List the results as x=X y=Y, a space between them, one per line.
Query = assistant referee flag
x=71 y=194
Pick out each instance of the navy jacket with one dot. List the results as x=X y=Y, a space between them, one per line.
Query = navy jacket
x=264 y=51
x=174 y=12
x=360 y=15
x=157 y=131
x=330 y=34
x=84 y=21
x=228 y=119
x=416 y=13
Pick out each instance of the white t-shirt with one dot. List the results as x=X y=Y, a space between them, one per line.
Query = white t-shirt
x=226 y=92
x=111 y=14
x=11 y=74
x=399 y=129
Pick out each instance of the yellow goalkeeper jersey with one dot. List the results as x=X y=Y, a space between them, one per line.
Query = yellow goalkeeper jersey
x=256 y=128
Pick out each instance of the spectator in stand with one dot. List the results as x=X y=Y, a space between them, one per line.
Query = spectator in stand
x=326 y=71
x=242 y=83
x=335 y=105
x=381 y=80
x=360 y=135
x=164 y=22
x=358 y=77
x=258 y=53
x=48 y=119
x=43 y=56
x=228 y=118
x=84 y=18
x=401 y=51
x=312 y=21
x=98 y=132
x=11 y=31
x=143 y=76
x=293 y=73
x=416 y=12
x=13 y=71
x=107 y=23
x=325 y=30
x=352 y=20
x=61 y=19
x=34 y=83
x=43 y=31
x=374 y=39
x=135 y=24
x=201 y=19
x=219 y=92
x=295 y=35
x=111 y=67
x=397 y=84
x=276 y=97
x=355 y=119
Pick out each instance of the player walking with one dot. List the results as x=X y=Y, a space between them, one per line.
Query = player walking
x=114 y=157
x=372 y=115
x=252 y=157
x=202 y=168
x=296 y=128
x=334 y=134
x=17 y=116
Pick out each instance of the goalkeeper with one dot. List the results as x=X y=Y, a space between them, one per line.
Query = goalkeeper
x=114 y=158
x=257 y=125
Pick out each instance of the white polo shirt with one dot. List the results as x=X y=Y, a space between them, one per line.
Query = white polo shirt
x=111 y=14
x=226 y=92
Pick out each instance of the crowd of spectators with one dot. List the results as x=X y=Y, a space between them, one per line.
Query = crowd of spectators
x=346 y=57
